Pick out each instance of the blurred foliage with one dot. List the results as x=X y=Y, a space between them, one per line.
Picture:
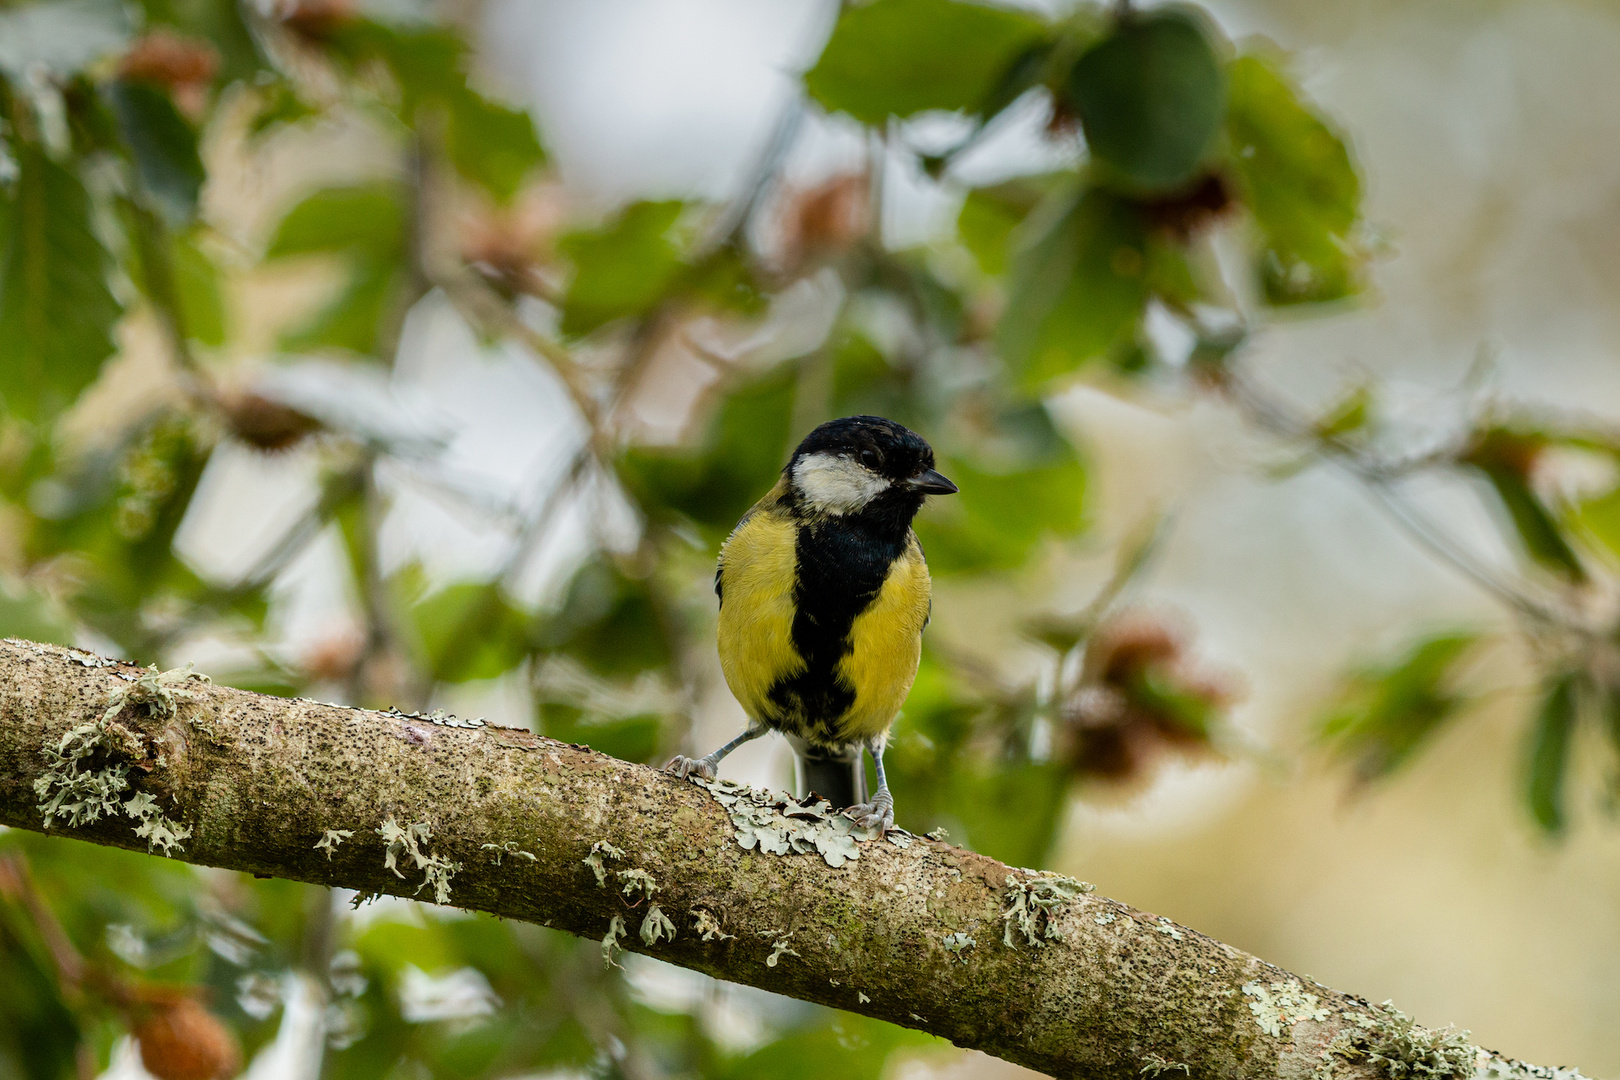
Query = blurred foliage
x=1178 y=137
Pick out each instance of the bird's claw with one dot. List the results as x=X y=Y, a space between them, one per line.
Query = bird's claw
x=687 y=768
x=877 y=814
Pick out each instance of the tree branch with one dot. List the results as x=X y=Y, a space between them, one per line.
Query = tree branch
x=501 y=820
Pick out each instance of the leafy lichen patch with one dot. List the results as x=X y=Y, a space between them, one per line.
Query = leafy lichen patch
x=632 y=882
x=158 y=831
x=508 y=848
x=439 y=718
x=1280 y=1005
x=1397 y=1047
x=958 y=943
x=406 y=841
x=330 y=840
x=778 y=824
x=708 y=927
x=779 y=949
x=610 y=941
x=1030 y=903
x=87 y=769
x=1158 y=1064
x=656 y=926
x=601 y=851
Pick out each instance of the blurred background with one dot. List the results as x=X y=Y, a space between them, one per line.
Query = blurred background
x=421 y=354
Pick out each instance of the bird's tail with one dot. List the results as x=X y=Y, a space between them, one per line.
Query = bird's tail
x=837 y=775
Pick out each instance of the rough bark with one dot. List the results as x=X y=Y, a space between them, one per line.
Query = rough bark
x=316 y=793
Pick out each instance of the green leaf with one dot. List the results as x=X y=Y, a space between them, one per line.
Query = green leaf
x=999 y=518
x=352 y=321
x=1079 y=285
x=163 y=145
x=1548 y=757
x=1506 y=458
x=1601 y=518
x=1299 y=183
x=367 y=223
x=492 y=145
x=622 y=268
x=628 y=738
x=608 y=621
x=56 y=310
x=1150 y=98
x=367 y=219
x=1388 y=711
x=196 y=287
x=990 y=215
x=470 y=630
x=900 y=57
x=741 y=455
x=218 y=22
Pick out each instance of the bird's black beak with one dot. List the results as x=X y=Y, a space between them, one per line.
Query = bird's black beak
x=932 y=483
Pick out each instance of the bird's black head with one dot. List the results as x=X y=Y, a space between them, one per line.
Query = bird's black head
x=863 y=466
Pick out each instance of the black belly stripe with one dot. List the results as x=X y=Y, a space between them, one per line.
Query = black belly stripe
x=841 y=569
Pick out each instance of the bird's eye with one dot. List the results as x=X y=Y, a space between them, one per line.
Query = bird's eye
x=869 y=458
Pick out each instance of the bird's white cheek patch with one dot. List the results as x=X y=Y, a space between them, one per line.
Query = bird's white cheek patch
x=836 y=485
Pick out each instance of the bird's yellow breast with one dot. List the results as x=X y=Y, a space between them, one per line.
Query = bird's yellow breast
x=886 y=646
x=766 y=668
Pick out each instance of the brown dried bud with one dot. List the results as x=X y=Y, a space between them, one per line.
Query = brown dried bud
x=333 y=658
x=181 y=1040
x=1500 y=449
x=1138 y=698
x=826 y=220
x=1190 y=211
x=185 y=66
x=265 y=424
x=316 y=20
x=171 y=59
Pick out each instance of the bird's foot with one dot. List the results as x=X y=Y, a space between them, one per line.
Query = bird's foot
x=692 y=768
x=877 y=814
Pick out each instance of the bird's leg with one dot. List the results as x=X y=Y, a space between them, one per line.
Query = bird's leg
x=879 y=813
x=706 y=767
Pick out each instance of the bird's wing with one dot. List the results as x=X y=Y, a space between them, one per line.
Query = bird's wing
x=770 y=499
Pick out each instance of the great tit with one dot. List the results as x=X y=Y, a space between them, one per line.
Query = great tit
x=824 y=594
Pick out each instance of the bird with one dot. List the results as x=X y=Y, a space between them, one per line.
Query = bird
x=824 y=593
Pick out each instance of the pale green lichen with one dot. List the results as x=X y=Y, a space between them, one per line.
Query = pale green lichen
x=632 y=882
x=779 y=949
x=708 y=927
x=508 y=848
x=75 y=787
x=407 y=841
x=939 y=834
x=610 y=941
x=1282 y=1004
x=958 y=943
x=600 y=852
x=1103 y=918
x=861 y=998
x=778 y=824
x=330 y=840
x=157 y=830
x=1399 y=1049
x=438 y=717
x=1156 y=1065
x=1030 y=903
x=656 y=926
x=1168 y=928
